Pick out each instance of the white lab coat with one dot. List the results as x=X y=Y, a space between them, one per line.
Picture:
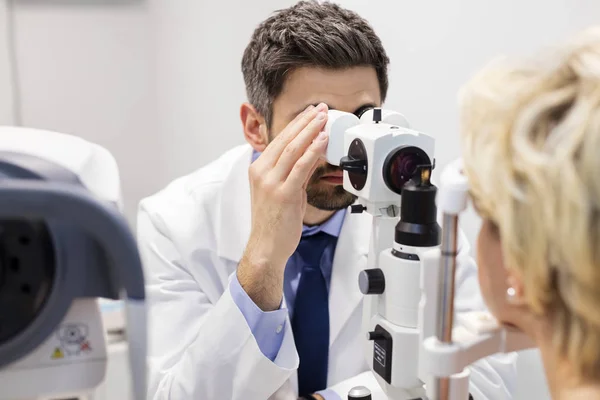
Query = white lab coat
x=192 y=235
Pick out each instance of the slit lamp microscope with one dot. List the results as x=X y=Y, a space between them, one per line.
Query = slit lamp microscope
x=412 y=343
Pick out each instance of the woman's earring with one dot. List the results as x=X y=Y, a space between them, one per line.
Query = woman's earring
x=511 y=295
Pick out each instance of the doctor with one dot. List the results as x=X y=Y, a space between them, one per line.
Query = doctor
x=252 y=260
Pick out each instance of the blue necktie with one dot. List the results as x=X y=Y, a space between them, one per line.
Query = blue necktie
x=310 y=322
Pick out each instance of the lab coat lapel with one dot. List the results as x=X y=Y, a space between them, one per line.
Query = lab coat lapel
x=234 y=208
x=350 y=258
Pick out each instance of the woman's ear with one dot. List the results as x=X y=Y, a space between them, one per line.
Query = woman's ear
x=255 y=127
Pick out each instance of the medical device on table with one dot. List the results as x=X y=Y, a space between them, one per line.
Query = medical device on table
x=63 y=244
x=412 y=345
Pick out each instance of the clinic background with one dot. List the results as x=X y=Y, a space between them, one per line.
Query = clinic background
x=158 y=82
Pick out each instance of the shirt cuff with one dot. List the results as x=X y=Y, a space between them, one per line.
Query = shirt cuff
x=266 y=327
x=329 y=394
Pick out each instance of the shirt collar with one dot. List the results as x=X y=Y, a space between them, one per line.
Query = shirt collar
x=333 y=226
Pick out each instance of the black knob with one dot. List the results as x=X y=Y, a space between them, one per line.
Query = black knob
x=371 y=281
x=375 y=335
x=354 y=165
x=359 y=393
x=357 y=208
x=377 y=115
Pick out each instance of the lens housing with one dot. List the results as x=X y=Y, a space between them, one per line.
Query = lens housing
x=400 y=166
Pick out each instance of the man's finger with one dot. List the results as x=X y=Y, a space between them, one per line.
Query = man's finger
x=296 y=148
x=314 y=168
x=303 y=168
x=275 y=148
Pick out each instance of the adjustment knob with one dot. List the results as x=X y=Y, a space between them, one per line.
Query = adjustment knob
x=357 y=208
x=354 y=165
x=375 y=335
x=371 y=281
x=359 y=393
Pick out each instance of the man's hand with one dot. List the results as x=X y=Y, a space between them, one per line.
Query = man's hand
x=278 y=180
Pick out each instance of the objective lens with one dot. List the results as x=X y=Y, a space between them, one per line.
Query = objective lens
x=400 y=166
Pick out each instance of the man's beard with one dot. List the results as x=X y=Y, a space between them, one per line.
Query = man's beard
x=324 y=196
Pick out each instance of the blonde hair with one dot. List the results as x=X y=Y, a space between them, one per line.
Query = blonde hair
x=531 y=148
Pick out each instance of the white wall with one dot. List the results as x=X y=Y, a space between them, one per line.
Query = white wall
x=200 y=87
x=158 y=82
x=87 y=68
x=6 y=71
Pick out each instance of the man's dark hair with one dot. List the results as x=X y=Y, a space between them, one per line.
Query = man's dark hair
x=308 y=34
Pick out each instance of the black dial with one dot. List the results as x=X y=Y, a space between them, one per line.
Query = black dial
x=371 y=281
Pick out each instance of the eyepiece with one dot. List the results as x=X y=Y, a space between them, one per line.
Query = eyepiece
x=359 y=113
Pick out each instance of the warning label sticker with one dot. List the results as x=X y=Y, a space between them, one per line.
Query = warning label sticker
x=73 y=339
x=57 y=354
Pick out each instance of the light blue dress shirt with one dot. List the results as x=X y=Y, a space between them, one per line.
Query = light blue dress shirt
x=267 y=327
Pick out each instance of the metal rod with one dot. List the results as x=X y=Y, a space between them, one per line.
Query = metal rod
x=449 y=251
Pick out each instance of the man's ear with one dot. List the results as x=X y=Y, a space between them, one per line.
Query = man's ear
x=255 y=127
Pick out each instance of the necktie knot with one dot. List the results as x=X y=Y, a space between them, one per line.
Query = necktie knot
x=311 y=248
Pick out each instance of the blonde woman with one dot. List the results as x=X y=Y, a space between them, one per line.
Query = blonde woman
x=531 y=137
